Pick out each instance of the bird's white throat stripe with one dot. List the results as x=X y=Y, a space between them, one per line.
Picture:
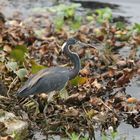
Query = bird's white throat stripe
x=63 y=46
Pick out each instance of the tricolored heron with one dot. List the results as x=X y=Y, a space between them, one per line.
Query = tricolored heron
x=54 y=78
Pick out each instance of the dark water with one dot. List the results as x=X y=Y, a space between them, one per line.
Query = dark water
x=125 y=8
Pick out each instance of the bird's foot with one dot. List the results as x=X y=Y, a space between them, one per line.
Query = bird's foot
x=63 y=94
x=50 y=96
x=37 y=111
x=45 y=112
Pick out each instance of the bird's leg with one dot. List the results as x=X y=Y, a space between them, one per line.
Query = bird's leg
x=36 y=104
x=63 y=93
x=50 y=98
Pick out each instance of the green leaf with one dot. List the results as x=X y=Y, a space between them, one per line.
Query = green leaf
x=68 y=10
x=78 y=80
x=76 y=23
x=36 y=67
x=59 y=22
x=104 y=15
x=90 y=18
x=64 y=13
x=114 y=134
x=136 y=28
x=12 y=66
x=18 y=53
x=120 y=25
x=21 y=73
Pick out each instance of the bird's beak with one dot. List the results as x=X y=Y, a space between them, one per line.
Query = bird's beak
x=81 y=44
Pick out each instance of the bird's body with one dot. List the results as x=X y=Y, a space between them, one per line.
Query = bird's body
x=54 y=78
x=46 y=80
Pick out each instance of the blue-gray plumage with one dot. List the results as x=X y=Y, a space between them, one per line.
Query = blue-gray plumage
x=54 y=78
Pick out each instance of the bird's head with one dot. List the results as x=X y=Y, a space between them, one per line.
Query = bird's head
x=73 y=41
x=69 y=42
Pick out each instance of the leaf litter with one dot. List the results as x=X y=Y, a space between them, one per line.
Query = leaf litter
x=94 y=100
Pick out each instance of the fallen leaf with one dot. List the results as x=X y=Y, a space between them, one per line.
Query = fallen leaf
x=96 y=84
x=18 y=53
x=7 y=48
x=71 y=112
x=36 y=67
x=131 y=100
x=12 y=66
x=78 y=80
x=21 y=73
x=91 y=113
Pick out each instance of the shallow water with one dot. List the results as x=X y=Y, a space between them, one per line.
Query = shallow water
x=126 y=8
x=24 y=7
x=134 y=88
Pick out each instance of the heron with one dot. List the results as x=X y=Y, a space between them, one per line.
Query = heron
x=54 y=78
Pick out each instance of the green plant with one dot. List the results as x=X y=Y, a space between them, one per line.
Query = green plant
x=66 y=14
x=136 y=28
x=75 y=136
x=78 y=81
x=18 y=53
x=13 y=66
x=104 y=15
x=120 y=25
x=111 y=135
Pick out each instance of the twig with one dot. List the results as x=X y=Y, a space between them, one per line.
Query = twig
x=107 y=106
x=4 y=98
x=11 y=85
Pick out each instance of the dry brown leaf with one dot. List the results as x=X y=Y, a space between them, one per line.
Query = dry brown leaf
x=138 y=106
x=121 y=63
x=43 y=50
x=96 y=84
x=95 y=101
x=112 y=71
x=7 y=48
x=6 y=138
x=125 y=78
x=137 y=39
x=1 y=38
x=84 y=29
x=85 y=71
x=131 y=100
x=71 y=112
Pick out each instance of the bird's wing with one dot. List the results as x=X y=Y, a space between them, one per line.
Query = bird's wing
x=54 y=81
x=49 y=76
x=46 y=72
x=37 y=77
x=33 y=79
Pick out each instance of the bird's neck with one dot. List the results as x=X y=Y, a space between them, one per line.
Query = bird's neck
x=75 y=60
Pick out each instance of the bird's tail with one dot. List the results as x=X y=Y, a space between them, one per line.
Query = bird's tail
x=23 y=92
